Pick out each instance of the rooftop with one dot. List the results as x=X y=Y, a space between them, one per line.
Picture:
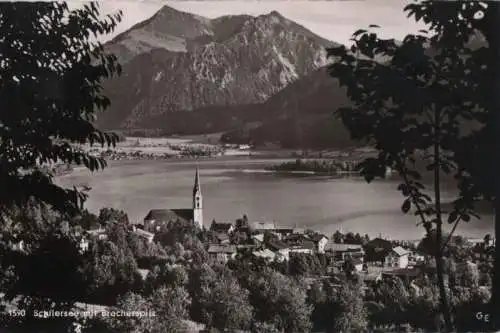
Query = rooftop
x=317 y=237
x=331 y=246
x=277 y=245
x=167 y=215
x=144 y=233
x=229 y=249
x=265 y=253
x=263 y=225
x=400 y=251
x=304 y=245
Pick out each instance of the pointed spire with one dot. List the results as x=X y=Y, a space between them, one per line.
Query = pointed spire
x=196 y=187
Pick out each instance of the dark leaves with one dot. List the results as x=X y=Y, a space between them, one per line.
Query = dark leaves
x=51 y=75
x=410 y=97
x=405 y=207
x=452 y=217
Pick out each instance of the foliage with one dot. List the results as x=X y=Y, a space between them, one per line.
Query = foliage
x=305 y=264
x=109 y=271
x=280 y=301
x=50 y=86
x=410 y=107
x=218 y=299
x=349 y=309
x=393 y=298
x=110 y=214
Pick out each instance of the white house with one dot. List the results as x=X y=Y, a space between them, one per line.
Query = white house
x=99 y=233
x=320 y=242
x=83 y=245
x=415 y=258
x=148 y=236
x=397 y=258
x=265 y=254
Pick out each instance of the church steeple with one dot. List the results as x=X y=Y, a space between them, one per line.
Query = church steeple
x=197 y=201
x=196 y=187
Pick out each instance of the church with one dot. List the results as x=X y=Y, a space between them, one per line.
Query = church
x=157 y=217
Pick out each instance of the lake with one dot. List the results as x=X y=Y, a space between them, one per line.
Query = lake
x=233 y=187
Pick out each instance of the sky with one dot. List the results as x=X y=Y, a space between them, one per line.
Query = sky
x=335 y=20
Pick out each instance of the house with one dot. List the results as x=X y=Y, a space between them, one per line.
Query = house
x=343 y=251
x=320 y=242
x=83 y=245
x=281 y=249
x=296 y=239
x=306 y=247
x=337 y=267
x=148 y=236
x=414 y=258
x=263 y=226
x=99 y=233
x=222 y=228
x=222 y=238
x=377 y=249
x=282 y=232
x=397 y=258
x=265 y=254
x=143 y=273
x=221 y=253
x=158 y=217
x=258 y=238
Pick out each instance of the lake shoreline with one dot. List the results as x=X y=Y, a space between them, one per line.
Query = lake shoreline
x=236 y=186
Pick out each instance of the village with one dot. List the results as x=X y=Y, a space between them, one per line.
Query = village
x=372 y=259
x=177 y=240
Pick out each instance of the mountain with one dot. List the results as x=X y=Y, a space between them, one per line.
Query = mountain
x=168 y=29
x=300 y=115
x=180 y=67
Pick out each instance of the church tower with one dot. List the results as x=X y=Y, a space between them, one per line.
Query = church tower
x=197 y=201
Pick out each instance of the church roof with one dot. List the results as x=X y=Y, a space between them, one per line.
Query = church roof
x=196 y=187
x=166 y=215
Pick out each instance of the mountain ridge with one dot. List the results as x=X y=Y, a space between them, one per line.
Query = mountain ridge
x=227 y=61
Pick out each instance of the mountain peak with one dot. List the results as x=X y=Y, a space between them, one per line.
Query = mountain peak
x=274 y=16
x=275 y=13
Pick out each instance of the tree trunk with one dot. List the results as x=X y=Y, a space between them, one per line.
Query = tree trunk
x=438 y=253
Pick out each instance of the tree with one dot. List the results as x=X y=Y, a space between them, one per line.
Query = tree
x=348 y=267
x=338 y=237
x=109 y=271
x=230 y=307
x=349 y=313
x=171 y=308
x=50 y=91
x=477 y=151
x=218 y=299
x=393 y=297
x=298 y=264
x=408 y=101
x=280 y=301
x=132 y=324
x=110 y=214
